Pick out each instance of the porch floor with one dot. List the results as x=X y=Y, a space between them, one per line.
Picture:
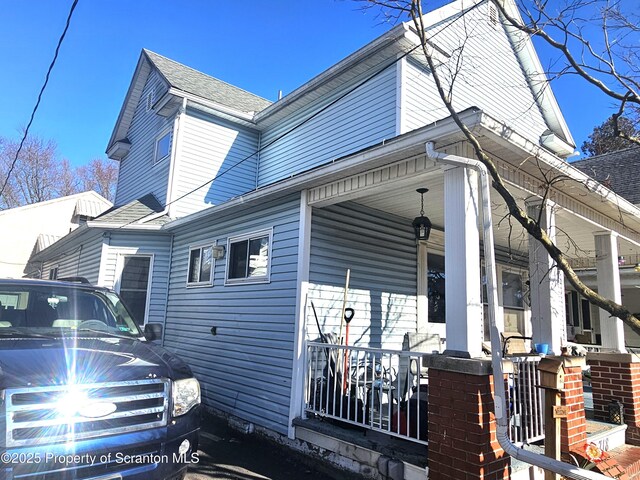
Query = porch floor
x=393 y=447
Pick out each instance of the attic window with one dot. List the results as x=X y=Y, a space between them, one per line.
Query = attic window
x=163 y=147
x=493 y=15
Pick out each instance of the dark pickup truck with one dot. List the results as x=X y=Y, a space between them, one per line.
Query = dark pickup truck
x=83 y=393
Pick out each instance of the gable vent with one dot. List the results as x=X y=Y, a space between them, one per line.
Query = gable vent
x=149 y=101
x=493 y=15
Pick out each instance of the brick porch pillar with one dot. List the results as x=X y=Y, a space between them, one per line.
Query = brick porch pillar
x=616 y=376
x=462 y=426
x=573 y=429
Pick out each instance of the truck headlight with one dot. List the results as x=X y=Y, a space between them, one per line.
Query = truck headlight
x=185 y=395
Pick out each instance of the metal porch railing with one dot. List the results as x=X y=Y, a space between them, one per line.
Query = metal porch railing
x=525 y=400
x=376 y=389
x=386 y=391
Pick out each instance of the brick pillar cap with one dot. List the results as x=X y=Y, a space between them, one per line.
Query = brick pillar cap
x=614 y=357
x=469 y=366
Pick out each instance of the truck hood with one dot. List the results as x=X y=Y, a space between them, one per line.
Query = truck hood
x=38 y=362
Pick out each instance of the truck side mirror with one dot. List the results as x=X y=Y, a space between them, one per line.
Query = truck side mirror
x=153 y=331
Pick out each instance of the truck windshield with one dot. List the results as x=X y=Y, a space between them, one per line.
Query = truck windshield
x=52 y=310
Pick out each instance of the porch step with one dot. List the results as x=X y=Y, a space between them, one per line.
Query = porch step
x=628 y=457
x=606 y=436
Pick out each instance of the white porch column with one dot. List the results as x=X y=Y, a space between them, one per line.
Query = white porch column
x=548 y=315
x=296 y=404
x=462 y=263
x=611 y=328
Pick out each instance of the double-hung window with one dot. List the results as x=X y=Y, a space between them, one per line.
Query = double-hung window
x=200 y=271
x=249 y=258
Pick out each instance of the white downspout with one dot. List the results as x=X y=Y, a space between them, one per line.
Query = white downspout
x=502 y=432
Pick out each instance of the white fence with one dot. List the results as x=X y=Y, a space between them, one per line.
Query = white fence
x=382 y=390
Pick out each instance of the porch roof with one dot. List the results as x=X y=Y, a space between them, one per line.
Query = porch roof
x=385 y=177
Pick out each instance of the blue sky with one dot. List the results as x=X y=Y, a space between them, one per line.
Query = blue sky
x=260 y=45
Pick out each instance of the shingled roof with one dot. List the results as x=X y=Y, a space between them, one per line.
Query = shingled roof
x=618 y=171
x=197 y=83
x=135 y=211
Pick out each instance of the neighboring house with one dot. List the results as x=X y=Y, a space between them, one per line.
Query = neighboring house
x=617 y=171
x=31 y=228
x=325 y=180
x=122 y=249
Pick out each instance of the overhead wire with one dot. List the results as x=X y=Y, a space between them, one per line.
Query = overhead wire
x=35 y=108
x=311 y=117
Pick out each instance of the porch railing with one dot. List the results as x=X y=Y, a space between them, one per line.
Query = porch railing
x=525 y=400
x=376 y=389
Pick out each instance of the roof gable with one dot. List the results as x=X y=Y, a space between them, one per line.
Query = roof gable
x=180 y=78
x=202 y=85
x=399 y=41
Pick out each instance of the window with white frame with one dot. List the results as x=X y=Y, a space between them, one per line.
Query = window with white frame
x=163 y=147
x=513 y=300
x=53 y=273
x=249 y=259
x=134 y=285
x=512 y=296
x=200 y=265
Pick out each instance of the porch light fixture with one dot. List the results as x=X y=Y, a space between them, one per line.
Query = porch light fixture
x=218 y=252
x=621 y=261
x=422 y=224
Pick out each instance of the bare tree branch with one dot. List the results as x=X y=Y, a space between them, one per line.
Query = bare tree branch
x=539 y=19
x=40 y=175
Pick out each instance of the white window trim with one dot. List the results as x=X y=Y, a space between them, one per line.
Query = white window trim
x=524 y=275
x=249 y=236
x=118 y=279
x=164 y=133
x=57 y=269
x=196 y=246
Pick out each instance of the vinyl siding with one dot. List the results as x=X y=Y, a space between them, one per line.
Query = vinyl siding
x=208 y=148
x=490 y=78
x=246 y=368
x=138 y=175
x=80 y=258
x=383 y=263
x=154 y=244
x=363 y=118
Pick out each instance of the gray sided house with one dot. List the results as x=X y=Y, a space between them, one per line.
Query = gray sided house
x=252 y=211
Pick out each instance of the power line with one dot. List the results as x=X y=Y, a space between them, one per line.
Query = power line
x=311 y=117
x=35 y=109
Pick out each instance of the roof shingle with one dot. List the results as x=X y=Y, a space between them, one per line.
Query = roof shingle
x=618 y=171
x=197 y=83
x=135 y=211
